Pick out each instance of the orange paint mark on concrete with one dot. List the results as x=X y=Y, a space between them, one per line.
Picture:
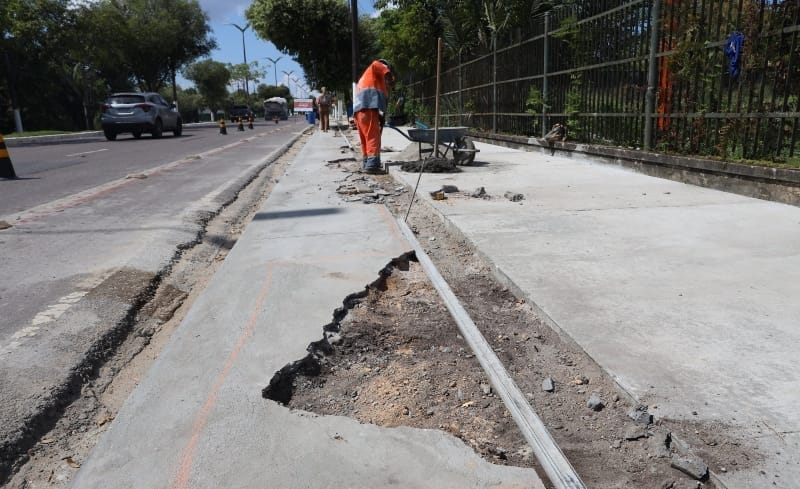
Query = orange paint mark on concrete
x=185 y=469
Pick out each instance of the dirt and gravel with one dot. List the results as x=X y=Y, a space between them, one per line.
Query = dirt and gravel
x=398 y=359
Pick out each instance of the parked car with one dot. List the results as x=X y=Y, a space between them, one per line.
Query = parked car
x=242 y=111
x=138 y=112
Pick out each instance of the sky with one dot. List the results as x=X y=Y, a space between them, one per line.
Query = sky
x=229 y=44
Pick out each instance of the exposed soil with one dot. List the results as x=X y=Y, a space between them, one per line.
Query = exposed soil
x=395 y=357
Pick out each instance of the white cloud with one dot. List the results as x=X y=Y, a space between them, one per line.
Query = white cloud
x=224 y=10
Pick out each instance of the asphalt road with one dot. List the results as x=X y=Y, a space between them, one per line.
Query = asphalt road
x=51 y=171
x=94 y=225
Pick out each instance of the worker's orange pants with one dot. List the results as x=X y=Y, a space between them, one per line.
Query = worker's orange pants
x=369 y=131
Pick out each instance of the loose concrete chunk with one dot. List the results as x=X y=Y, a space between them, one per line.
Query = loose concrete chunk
x=478 y=192
x=514 y=197
x=690 y=465
x=486 y=388
x=548 y=385
x=658 y=445
x=640 y=415
x=595 y=403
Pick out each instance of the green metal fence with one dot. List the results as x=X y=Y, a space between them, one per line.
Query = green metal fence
x=666 y=75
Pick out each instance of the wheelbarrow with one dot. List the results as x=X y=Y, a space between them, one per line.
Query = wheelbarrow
x=453 y=143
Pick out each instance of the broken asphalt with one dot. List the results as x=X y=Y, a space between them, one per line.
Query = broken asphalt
x=686 y=296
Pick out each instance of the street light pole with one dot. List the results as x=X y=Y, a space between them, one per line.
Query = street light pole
x=244 y=54
x=288 y=79
x=275 y=64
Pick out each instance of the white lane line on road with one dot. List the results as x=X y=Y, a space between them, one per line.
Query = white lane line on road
x=88 y=152
x=55 y=311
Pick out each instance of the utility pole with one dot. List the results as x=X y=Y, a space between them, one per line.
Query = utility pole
x=244 y=54
x=288 y=79
x=354 y=43
x=275 y=65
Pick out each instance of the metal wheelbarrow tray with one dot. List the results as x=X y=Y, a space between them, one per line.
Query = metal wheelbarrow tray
x=453 y=143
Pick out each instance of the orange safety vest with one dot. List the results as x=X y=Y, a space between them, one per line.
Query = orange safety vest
x=371 y=91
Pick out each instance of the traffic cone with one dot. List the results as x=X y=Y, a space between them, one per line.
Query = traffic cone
x=6 y=168
x=240 y=127
x=222 y=129
x=250 y=122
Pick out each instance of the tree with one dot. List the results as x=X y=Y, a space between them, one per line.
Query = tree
x=177 y=33
x=316 y=33
x=190 y=102
x=211 y=79
x=34 y=37
x=269 y=91
x=242 y=73
x=407 y=36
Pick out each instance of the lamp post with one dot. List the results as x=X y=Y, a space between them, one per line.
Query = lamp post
x=244 y=54
x=288 y=79
x=296 y=85
x=275 y=64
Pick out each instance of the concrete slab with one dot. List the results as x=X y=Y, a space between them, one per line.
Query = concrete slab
x=198 y=420
x=686 y=295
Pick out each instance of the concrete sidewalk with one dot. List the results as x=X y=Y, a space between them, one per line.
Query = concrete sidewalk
x=198 y=419
x=687 y=296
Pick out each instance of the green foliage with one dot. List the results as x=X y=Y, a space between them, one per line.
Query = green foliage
x=568 y=32
x=534 y=104
x=268 y=91
x=34 y=40
x=407 y=37
x=60 y=58
x=190 y=103
x=573 y=106
x=177 y=33
x=211 y=79
x=315 y=33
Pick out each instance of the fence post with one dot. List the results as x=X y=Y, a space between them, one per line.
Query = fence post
x=545 y=62
x=652 y=76
x=460 y=90
x=494 y=82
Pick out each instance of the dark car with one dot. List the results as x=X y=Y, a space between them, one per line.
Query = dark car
x=138 y=112
x=242 y=111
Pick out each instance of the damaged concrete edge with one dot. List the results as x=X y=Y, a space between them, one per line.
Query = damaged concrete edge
x=13 y=450
x=281 y=386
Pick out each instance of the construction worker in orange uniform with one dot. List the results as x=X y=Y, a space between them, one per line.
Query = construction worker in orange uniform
x=371 y=101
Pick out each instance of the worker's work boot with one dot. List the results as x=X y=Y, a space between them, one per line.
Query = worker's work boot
x=372 y=164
